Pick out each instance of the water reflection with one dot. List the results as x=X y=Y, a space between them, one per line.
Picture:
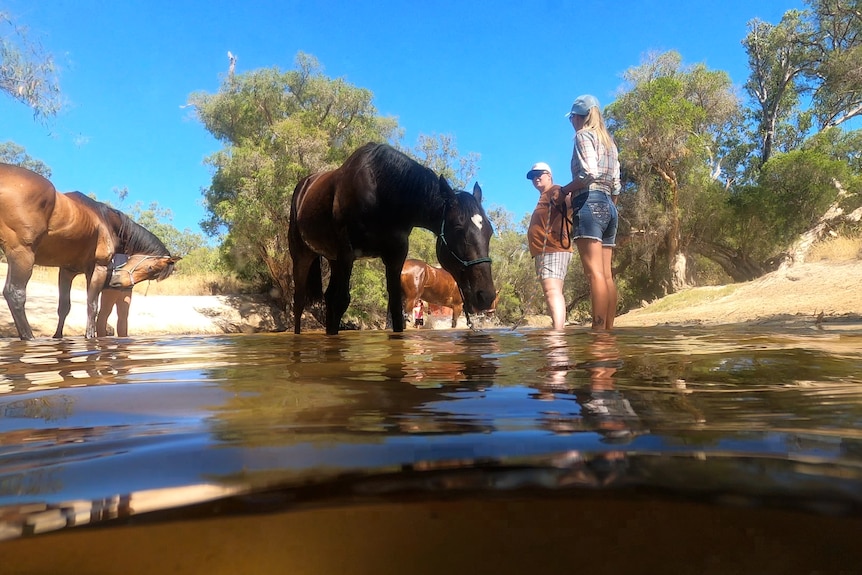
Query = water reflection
x=98 y=421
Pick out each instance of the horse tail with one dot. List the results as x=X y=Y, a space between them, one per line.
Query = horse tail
x=314 y=284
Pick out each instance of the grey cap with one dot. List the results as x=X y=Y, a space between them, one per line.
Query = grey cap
x=582 y=104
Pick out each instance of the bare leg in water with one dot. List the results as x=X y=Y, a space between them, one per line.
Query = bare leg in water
x=596 y=260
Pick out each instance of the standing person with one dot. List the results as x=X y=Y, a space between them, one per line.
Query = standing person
x=550 y=245
x=594 y=190
x=419 y=314
x=122 y=299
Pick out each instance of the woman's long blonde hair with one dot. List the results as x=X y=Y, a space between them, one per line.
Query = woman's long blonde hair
x=594 y=121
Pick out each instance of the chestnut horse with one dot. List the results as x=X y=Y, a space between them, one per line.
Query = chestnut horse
x=420 y=281
x=367 y=208
x=40 y=226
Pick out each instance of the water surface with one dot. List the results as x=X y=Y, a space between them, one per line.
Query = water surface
x=120 y=431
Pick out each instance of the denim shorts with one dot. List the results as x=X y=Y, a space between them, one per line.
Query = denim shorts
x=552 y=265
x=595 y=217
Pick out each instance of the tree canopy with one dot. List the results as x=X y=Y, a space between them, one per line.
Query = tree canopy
x=27 y=73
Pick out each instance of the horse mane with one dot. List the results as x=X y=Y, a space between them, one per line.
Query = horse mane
x=132 y=237
x=395 y=172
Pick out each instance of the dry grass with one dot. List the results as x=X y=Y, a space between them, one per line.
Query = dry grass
x=206 y=284
x=838 y=249
x=693 y=297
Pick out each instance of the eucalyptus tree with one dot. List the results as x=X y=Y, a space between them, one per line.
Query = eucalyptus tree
x=779 y=56
x=808 y=162
x=673 y=125
x=12 y=153
x=814 y=53
x=28 y=73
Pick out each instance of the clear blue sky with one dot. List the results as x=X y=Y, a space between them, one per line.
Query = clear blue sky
x=499 y=76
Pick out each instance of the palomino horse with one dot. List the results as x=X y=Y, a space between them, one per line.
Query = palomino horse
x=367 y=208
x=40 y=226
x=419 y=281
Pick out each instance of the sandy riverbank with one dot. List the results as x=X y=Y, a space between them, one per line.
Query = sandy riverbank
x=799 y=294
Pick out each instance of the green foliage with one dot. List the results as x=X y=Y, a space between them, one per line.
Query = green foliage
x=439 y=153
x=423 y=246
x=778 y=56
x=12 y=153
x=201 y=260
x=27 y=72
x=514 y=274
x=673 y=124
x=157 y=220
x=795 y=190
x=368 y=296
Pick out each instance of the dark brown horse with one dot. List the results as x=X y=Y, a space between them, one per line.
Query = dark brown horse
x=367 y=208
x=420 y=281
x=40 y=226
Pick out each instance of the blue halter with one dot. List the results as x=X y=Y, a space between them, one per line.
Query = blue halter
x=466 y=264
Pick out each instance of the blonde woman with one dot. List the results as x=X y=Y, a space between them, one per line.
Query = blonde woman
x=594 y=188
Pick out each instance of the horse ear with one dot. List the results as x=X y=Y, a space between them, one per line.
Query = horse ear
x=175 y=259
x=477 y=192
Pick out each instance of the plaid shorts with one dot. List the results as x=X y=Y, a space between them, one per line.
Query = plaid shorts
x=552 y=265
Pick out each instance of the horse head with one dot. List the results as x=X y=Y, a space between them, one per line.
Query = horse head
x=141 y=267
x=462 y=246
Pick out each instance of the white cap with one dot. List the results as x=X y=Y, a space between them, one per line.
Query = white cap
x=538 y=167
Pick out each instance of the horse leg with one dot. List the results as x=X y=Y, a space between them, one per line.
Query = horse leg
x=300 y=276
x=337 y=294
x=410 y=304
x=20 y=268
x=64 y=285
x=456 y=313
x=393 y=264
x=95 y=283
x=305 y=263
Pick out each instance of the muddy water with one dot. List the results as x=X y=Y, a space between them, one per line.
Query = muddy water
x=686 y=450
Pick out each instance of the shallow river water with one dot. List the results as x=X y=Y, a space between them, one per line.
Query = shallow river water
x=702 y=450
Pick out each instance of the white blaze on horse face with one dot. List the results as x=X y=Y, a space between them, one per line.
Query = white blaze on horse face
x=477 y=220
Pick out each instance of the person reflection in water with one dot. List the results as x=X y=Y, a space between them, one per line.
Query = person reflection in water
x=603 y=408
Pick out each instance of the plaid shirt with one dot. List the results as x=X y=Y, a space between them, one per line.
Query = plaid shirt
x=593 y=165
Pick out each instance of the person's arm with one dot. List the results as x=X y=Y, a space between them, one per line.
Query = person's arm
x=588 y=162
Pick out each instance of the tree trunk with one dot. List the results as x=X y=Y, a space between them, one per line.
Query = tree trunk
x=737 y=265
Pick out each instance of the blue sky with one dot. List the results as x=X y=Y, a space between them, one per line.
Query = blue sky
x=499 y=76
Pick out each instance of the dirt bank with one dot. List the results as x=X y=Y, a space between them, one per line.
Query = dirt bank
x=798 y=295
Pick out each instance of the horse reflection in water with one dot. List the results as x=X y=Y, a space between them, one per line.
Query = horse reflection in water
x=367 y=208
x=40 y=226
x=379 y=385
